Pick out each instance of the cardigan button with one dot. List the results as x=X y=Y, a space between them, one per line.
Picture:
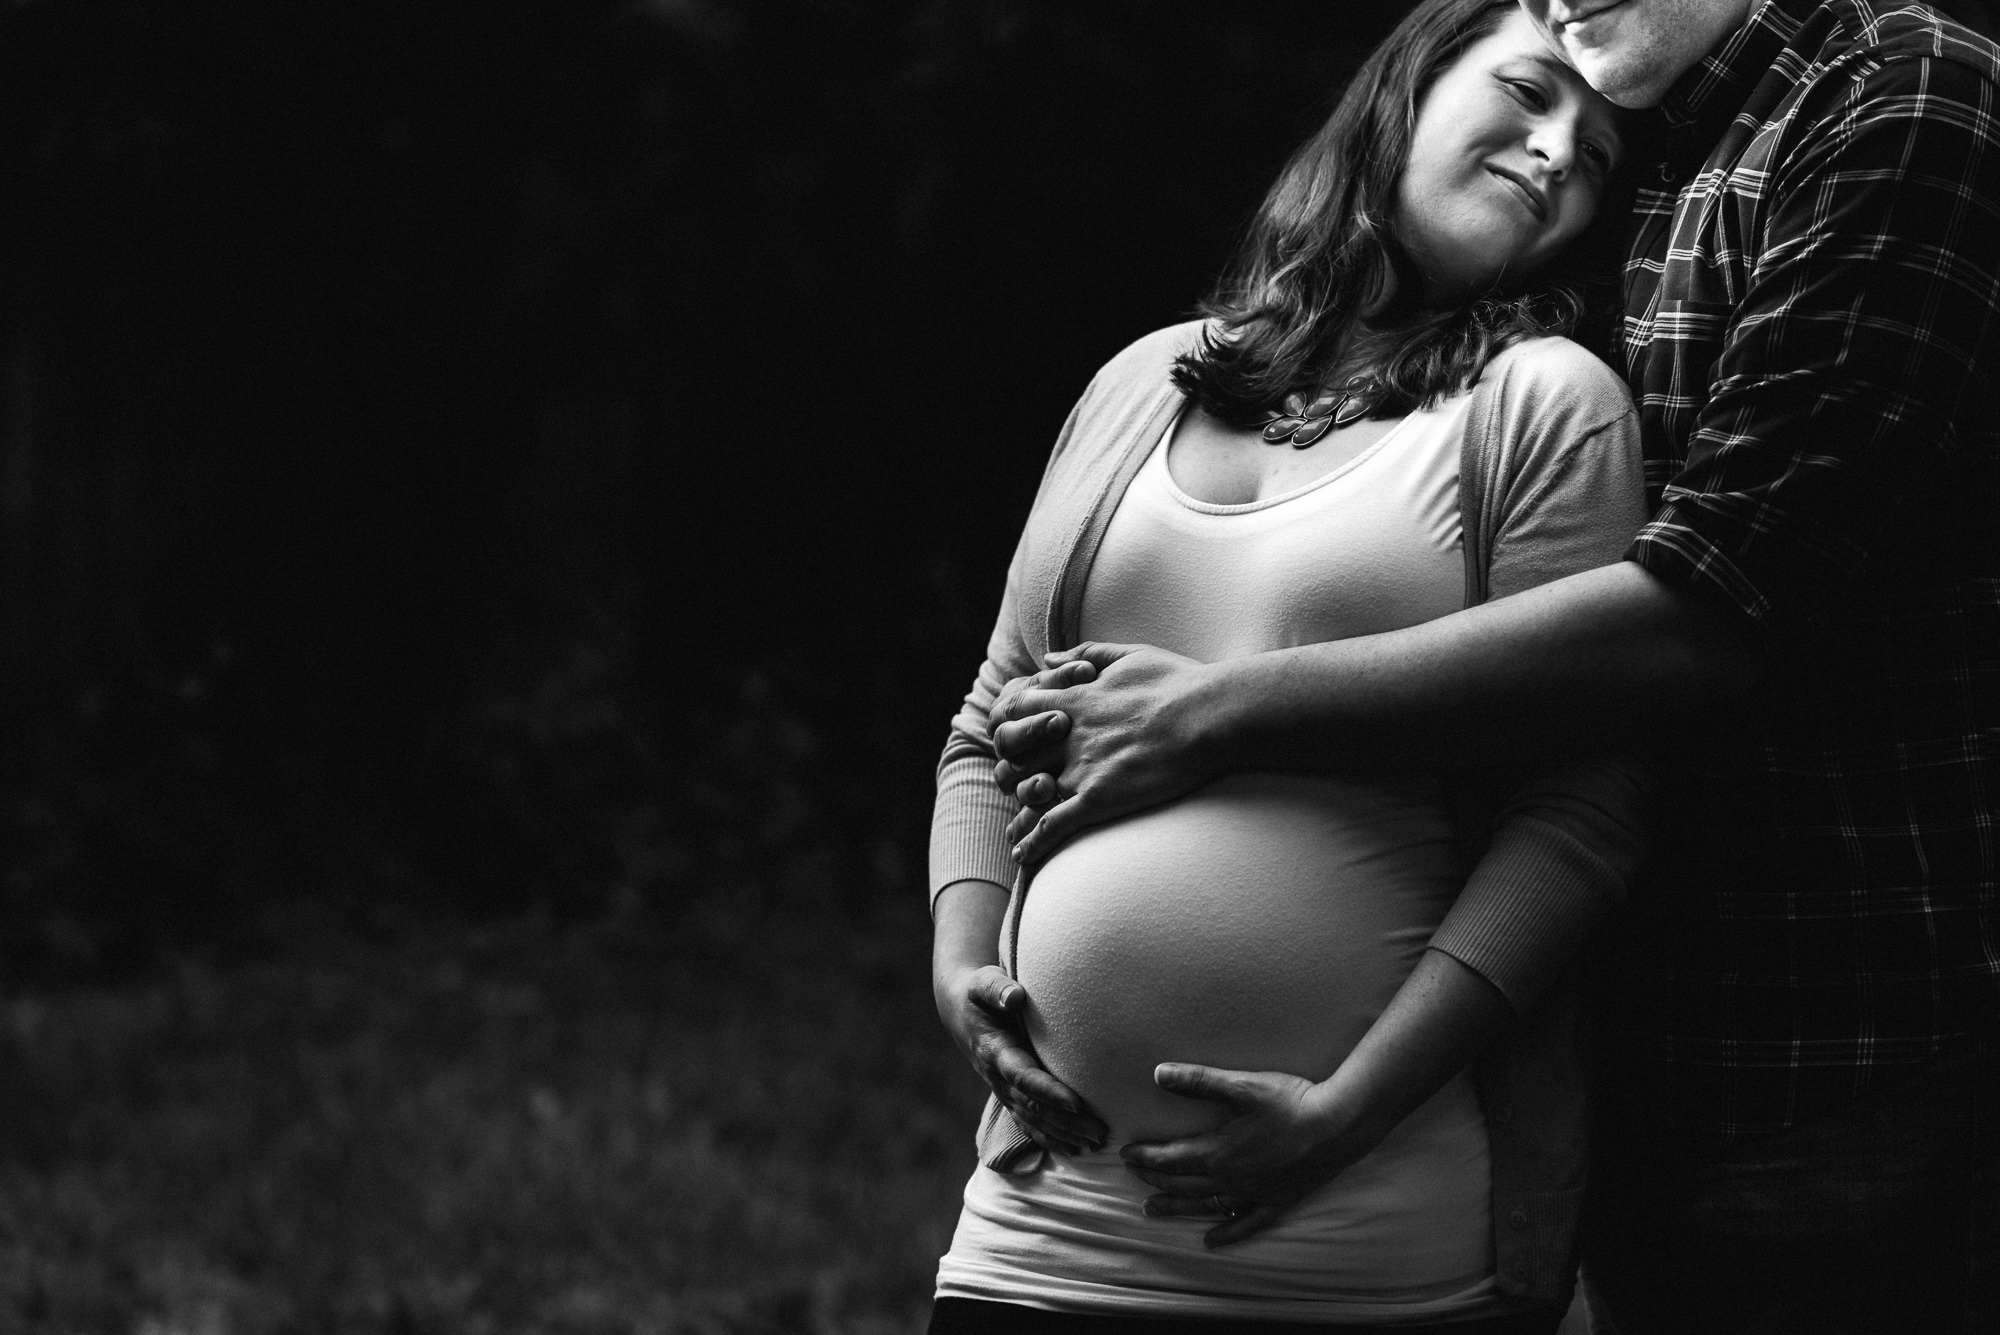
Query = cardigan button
x=1518 y=1218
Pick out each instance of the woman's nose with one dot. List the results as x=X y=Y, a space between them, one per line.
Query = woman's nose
x=1555 y=144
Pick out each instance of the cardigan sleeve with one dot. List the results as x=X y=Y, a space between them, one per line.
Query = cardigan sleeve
x=1555 y=432
x=1118 y=413
x=969 y=818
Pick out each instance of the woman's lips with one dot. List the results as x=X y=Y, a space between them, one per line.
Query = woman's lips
x=1531 y=195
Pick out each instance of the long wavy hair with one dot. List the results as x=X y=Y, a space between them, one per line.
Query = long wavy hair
x=1322 y=251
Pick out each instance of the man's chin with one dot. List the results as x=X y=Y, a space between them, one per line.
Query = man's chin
x=1620 y=85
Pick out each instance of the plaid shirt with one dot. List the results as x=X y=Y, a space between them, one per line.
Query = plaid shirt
x=1811 y=332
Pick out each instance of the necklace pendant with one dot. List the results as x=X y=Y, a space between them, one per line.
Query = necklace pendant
x=1310 y=433
x=1305 y=424
x=1281 y=429
x=1351 y=410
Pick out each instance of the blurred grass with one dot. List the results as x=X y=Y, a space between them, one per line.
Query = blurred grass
x=722 y=1122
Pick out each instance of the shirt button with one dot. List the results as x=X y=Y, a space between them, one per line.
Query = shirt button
x=1519 y=1218
x=1668 y=175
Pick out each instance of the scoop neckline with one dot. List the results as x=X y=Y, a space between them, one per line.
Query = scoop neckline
x=1163 y=449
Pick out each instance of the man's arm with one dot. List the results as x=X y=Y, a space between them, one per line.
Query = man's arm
x=1565 y=667
x=1550 y=669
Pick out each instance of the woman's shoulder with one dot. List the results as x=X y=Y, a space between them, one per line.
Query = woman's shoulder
x=1540 y=399
x=1145 y=362
x=1535 y=366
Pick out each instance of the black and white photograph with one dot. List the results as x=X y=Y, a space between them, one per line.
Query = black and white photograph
x=1000 y=667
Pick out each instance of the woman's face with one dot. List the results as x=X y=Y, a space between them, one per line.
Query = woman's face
x=1507 y=165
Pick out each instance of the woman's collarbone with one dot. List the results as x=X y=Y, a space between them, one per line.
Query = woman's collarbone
x=1218 y=464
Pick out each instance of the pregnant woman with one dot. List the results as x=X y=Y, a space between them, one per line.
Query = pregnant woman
x=1378 y=423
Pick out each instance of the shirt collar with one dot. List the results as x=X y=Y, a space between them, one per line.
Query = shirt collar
x=1704 y=100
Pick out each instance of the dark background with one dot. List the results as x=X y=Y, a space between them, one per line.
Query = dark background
x=474 y=458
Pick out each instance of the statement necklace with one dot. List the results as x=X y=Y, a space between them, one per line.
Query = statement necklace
x=1304 y=423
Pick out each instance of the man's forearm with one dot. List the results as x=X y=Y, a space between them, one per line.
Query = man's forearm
x=1567 y=666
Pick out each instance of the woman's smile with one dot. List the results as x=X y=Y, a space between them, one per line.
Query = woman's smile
x=1533 y=196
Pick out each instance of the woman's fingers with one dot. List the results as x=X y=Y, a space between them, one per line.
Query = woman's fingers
x=1089 y=654
x=1022 y=829
x=1065 y=1132
x=1037 y=1095
x=1251 y=1221
x=1053 y=1115
x=1060 y=676
x=1200 y=1158
x=1036 y=791
x=1238 y=1089
x=1050 y=1135
x=1244 y=1093
x=1077 y=1131
x=985 y=1008
x=996 y=993
x=1007 y=704
x=1172 y=1161
x=1027 y=723
x=1195 y=1207
x=1180 y=1186
x=1037 y=1084
x=1068 y=1129
x=1024 y=741
x=1050 y=829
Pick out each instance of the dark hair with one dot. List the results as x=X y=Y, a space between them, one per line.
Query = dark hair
x=1321 y=250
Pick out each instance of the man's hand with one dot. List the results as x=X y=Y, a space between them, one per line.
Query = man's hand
x=1286 y=1137
x=1126 y=737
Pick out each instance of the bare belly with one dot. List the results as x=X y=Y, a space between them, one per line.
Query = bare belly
x=1261 y=923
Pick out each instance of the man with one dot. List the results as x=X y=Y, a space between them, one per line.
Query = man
x=1800 y=1093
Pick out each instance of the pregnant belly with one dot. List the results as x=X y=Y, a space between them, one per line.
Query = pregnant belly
x=1261 y=923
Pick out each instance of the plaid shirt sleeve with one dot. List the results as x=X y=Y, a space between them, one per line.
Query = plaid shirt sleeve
x=1868 y=319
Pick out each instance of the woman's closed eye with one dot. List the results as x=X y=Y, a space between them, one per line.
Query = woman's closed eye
x=1597 y=156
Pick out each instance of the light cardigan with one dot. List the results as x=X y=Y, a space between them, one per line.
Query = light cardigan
x=1550 y=484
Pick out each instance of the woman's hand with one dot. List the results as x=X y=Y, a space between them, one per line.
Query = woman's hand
x=1126 y=736
x=1285 y=1138
x=983 y=1009
x=1036 y=750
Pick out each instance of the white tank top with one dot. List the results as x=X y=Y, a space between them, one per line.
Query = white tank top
x=1260 y=923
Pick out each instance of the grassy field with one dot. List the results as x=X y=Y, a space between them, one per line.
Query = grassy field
x=713 y=1124
x=722 y=1124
